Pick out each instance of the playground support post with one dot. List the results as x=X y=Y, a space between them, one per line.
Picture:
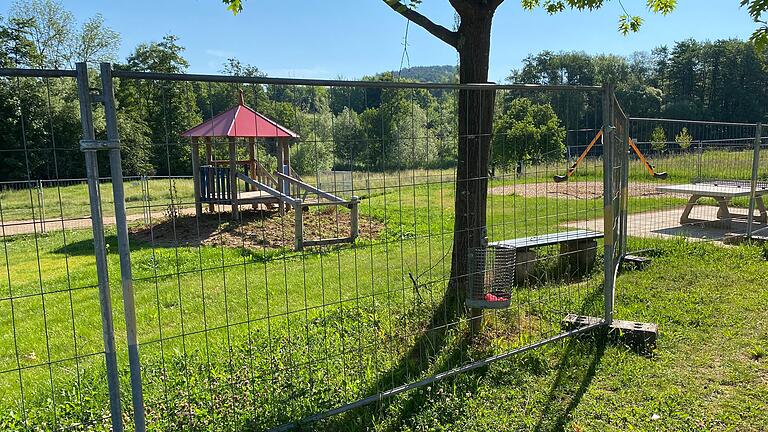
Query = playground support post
x=298 y=224
x=233 y=178
x=196 y=175
x=354 y=217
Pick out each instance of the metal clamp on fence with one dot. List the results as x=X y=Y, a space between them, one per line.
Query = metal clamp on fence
x=95 y=145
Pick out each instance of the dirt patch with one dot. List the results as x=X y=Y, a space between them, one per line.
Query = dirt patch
x=573 y=190
x=256 y=229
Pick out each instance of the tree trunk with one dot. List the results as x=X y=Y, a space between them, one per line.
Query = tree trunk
x=475 y=116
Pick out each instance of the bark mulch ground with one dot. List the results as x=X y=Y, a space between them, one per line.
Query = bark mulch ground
x=256 y=230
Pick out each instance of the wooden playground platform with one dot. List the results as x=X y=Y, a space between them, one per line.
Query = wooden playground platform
x=236 y=182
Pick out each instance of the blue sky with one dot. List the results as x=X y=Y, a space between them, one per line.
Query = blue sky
x=351 y=38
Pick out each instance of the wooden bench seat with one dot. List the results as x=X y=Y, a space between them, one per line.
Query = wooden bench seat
x=578 y=250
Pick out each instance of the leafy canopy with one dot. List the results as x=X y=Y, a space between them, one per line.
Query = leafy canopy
x=57 y=38
x=628 y=22
x=527 y=131
x=758 y=9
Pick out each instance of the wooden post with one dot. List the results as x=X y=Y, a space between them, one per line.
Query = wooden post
x=287 y=167
x=196 y=175
x=208 y=159
x=252 y=165
x=252 y=157
x=233 y=177
x=354 y=217
x=298 y=225
x=280 y=165
x=287 y=155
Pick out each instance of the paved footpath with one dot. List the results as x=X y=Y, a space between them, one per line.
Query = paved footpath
x=10 y=228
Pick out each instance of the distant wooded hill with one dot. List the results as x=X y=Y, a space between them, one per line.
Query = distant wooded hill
x=439 y=74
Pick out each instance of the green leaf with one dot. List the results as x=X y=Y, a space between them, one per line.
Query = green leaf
x=235 y=6
x=662 y=6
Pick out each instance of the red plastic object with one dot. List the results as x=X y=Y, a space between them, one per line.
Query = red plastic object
x=490 y=297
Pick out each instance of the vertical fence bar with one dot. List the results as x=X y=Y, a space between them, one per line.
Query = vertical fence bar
x=608 y=209
x=124 y=250
x=99 y=248
x=753 y=185
x=622 y=156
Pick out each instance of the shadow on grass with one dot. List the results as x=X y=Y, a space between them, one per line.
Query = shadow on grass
x=575 y=371
x=409 y=367
x=85 y=247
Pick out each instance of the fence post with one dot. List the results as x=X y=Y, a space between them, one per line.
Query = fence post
x=124 y=250
x=624 y=201
x=753 y=186
x=608 y=209
x=99 y=249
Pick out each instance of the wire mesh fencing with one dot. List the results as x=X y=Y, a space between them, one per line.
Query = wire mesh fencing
x=226 y=319
x=696 y=180
x=238 y=324
x=55 y=317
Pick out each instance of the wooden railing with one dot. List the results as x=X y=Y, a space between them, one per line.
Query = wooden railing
x=214 y=184
x=260 y=173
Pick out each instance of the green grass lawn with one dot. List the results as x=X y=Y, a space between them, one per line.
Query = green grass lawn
x=709 y=371
x=72 y=201
x=236 y=339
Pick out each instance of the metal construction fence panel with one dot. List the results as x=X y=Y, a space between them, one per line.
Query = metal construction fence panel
x=703 y=181
x=58 y=367
x=225 y=320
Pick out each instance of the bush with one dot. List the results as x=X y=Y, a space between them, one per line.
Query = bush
x=659 y=139
x=684 y=139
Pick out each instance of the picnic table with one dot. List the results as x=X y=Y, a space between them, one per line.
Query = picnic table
x=722 y=192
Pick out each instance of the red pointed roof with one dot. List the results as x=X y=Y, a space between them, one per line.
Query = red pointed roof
x=240 y=122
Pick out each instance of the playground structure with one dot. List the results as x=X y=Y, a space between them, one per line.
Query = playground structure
x=632 y=145
x=217 y=181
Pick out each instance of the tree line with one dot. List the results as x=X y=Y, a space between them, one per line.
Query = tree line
x=340 y=127
x=724 y=80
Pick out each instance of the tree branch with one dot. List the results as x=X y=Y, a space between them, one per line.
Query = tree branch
x=440 y=32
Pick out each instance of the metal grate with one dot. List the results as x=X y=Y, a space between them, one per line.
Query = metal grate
x=492 y=277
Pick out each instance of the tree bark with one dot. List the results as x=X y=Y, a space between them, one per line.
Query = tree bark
x=472 y=40
x=475 y=116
